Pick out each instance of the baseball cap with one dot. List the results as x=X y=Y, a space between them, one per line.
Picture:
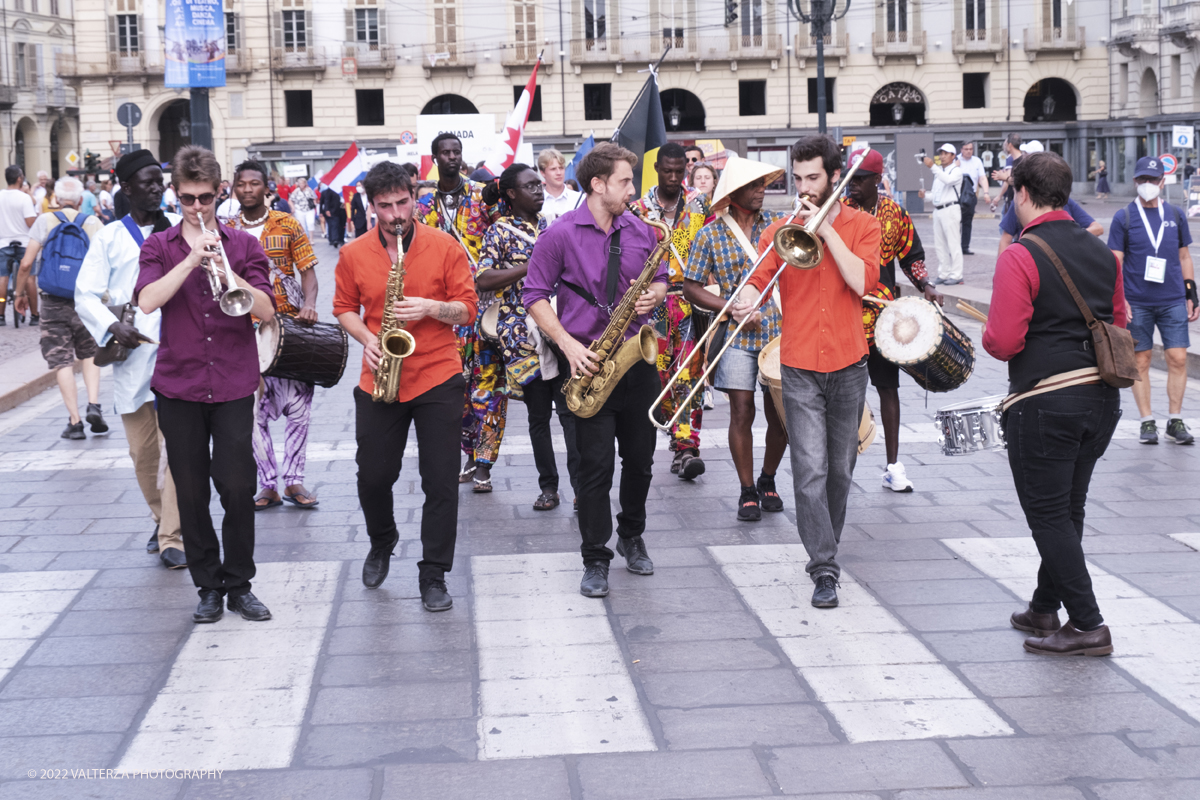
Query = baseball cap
x=1033 y=146
x=871 y=162
x=1148 y=167
x=948 y=148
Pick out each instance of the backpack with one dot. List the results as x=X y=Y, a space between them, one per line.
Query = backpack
x=62 y=256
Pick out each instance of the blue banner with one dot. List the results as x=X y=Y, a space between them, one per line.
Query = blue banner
x=195 y=43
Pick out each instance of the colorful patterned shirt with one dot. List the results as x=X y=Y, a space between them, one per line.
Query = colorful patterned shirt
x=688 y=223
x=715 y=251
x=289 y=251
x=898 y=240
x=503 y=248
x=469 y=218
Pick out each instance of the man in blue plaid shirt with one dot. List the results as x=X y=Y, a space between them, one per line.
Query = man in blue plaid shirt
x=723 y=251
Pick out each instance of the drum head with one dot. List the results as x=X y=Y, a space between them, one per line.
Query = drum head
x=908 y=330
x=971 y=405
x=489 y=321
x=267 y=337
x=768 y=363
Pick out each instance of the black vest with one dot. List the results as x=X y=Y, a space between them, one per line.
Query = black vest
x=1058 y=339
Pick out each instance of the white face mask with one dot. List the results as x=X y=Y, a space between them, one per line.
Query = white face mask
x=1148 y=191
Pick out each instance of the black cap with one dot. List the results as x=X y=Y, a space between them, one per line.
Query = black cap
x=130 y=163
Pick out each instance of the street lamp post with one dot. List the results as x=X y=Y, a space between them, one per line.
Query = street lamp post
x=819 y=15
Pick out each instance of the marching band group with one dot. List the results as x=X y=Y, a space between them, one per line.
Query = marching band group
x=467 y=299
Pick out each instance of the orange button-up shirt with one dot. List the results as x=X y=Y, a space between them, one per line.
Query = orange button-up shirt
x=437 y=270
x=822 y=316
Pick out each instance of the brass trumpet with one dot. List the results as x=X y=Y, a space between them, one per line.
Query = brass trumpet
x=233 y=299
x=798 y=246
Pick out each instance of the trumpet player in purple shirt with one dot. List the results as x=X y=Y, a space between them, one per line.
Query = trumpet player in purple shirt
x=205 y=378
x=574 y=257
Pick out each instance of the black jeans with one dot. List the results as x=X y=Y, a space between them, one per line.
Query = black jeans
x=188 y=427
x=1054 y=441
x=381 y=430
x=968 y=217
x=542 y=397
x=624 y=419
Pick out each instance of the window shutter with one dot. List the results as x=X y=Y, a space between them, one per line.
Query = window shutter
x=277 y=29
x=351 y=26
x=139 y=46
x=38 y=71
x=382 y=17
x=112 y=34
x=307 y=29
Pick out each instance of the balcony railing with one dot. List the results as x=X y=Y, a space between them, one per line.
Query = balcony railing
x=522 y=54
x=239 y=62
x=8 y=97
x=727 y=47
x=898 y=43
x=372 y=58
x=124 y=63
x=441 y=56
x=979 y=40
x=835 y=45
x=1054 y=40
x=298 y=59
x=1138 y=32
x=596 y=51
x=1181 y=22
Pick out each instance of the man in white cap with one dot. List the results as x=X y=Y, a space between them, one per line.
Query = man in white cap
x=947 y=214
x=724 y=249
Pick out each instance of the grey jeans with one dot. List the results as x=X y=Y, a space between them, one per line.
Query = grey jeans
x=823 y=413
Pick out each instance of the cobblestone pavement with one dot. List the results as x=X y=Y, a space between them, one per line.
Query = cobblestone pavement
x=712 y=678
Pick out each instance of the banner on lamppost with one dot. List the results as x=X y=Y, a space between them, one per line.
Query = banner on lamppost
x=195 y=44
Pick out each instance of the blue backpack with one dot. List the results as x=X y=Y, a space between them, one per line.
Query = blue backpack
x=62 y=256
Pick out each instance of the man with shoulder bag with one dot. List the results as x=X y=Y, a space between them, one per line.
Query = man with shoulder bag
x=1057 y=317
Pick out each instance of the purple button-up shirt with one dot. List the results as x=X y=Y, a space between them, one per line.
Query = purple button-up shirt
x=205 y=355
x=575 y=249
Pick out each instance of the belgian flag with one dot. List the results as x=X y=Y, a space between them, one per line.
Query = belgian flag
x=643 y=131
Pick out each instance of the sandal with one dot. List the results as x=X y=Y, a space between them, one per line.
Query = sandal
x=482 y=486
x=271 y=502
x=468 y=472
x=691 y=466
x=546 y=501
x=302 y=499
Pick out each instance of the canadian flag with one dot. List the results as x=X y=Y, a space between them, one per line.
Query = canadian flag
x=514 y=129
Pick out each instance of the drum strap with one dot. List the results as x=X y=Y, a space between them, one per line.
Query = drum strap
x=1063 y=380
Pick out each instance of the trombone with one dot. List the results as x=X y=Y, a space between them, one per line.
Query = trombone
x=234 y=300
x=799 y=247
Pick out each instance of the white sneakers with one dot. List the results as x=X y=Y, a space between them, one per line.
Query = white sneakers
x=895 y=479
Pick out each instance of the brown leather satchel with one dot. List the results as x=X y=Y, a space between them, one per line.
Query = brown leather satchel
x=1114 y=346
x=114 y=351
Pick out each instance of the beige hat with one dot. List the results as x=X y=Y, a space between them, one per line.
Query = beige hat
x=741 y=172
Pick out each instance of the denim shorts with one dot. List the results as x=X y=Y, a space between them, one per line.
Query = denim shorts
x=10 y=259
x=737 y=370
x=1171 y=321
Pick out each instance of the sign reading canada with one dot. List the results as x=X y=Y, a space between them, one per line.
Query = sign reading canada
x=195 y=43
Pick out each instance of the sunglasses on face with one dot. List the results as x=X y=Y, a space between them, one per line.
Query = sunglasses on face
x=693 y=160
x=190 y=199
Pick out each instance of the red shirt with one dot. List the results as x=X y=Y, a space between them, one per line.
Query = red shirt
x=1014 y=288
x=437 y=270
x=205 y=355
x=822 y=315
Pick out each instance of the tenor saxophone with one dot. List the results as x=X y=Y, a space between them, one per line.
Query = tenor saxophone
x=587 y=394
x=395 y=343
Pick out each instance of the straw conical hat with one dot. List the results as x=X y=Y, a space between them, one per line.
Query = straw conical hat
x=741 y=172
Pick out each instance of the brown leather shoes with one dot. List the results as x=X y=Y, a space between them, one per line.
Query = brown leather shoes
x=1068 y=641
x=1037 y=624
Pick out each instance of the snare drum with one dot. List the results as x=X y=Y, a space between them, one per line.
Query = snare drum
x=971 y=426
x=287 y=348
x=914 y=334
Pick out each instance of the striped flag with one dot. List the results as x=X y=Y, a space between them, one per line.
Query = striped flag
x=643 y=131
x=349 y=169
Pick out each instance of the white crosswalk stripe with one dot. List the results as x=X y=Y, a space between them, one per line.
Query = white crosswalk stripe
x=237 y=693
x=553 y=680
x=1152 y=641
x=31 y=602
x=878 y=680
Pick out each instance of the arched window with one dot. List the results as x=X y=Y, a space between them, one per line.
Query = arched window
x=898 y=104
x=1050 y=100
x=174 y=129
x=449 y=104
x=682 y=110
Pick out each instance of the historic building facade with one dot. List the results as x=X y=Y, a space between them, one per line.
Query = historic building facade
x=39 y=112
x=307 y=76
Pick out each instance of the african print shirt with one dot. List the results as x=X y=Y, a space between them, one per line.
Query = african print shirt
x=715 y=251
x=289 y=251
x=683 y=231
x=898 y=240
x=504 y=248
x=470 y=218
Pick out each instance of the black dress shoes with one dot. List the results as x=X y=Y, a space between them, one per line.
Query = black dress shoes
x=250 y=607
x=379 y=560
x=152 y=545
x=825 y=593
x=637 y=560
x=211 y=608
x=1070 y=641
x=595 y=579
x=173 y=558
x=434 y=596
x=1037 y=624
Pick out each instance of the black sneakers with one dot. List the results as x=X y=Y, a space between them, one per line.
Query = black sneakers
x=1178 y=432
x=768 y=498
x=1149 y=432
x=637 y=560
x=74 y=430
x=595 y=579
x=434 y=596
x=748 y=505
x=825 y=592
x=96 y=419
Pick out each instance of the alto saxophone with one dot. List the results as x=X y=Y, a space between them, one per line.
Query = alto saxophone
x=395 y=343
x=587 y=394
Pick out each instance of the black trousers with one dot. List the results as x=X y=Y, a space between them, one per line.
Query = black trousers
x=542 y=398
x=968 y=217
x=381 y=430
x=1054 y=441
x=335 y=229
x=188 y=428
x=623 y=419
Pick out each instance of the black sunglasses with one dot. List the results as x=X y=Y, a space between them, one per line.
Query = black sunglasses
x=190 y=199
